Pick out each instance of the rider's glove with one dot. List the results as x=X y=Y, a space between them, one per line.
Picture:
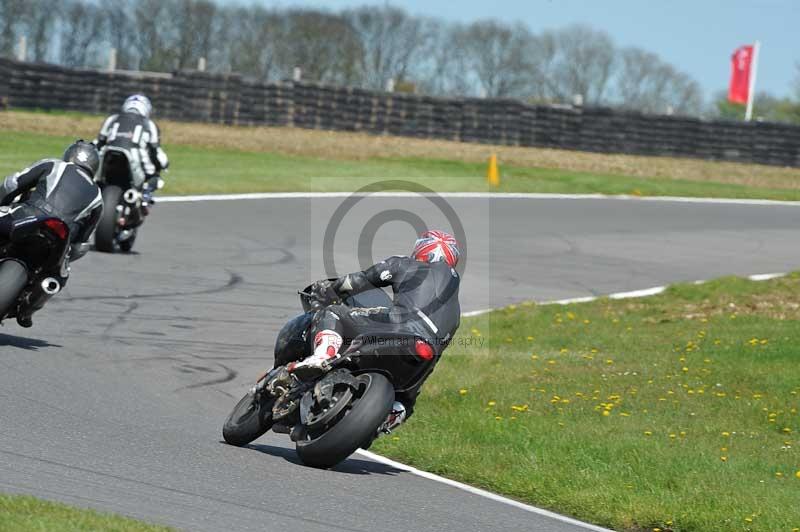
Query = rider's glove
x=323 y=293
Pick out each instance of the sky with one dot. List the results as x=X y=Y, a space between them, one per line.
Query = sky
x=697 y=36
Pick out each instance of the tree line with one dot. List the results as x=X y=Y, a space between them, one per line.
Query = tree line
x=371 y=47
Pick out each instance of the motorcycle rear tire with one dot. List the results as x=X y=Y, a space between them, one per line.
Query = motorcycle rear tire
x=106 y=234
x=13 y=278
x=249 y=420
x=358 y=425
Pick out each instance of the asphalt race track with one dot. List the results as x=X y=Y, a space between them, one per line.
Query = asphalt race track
x=115 y=399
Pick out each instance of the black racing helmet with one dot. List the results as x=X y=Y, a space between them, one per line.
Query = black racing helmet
x=83 y=154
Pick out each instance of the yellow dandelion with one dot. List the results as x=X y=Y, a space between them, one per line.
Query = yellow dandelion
x=648 y=433
x=726 y=434
x=492 y=403
x=534 y=357
x=748 y=519
x=462 y=391
x=606 y=413
x=530 y=338
x=498 y=418
x=778 y=474
x=787 y=430
x=723 y=458
x=395 y=438
x=672 y=436
x=797 y=474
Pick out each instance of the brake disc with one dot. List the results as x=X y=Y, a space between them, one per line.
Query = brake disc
x=327 y=400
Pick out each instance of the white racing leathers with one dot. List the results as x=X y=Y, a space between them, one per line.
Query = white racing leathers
x=138 y=139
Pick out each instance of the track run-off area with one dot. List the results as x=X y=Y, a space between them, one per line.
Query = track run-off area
x=115 y=399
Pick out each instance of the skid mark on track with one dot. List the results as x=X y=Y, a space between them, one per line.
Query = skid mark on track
x=121 y=317
x=234 y=280
x=230 y=374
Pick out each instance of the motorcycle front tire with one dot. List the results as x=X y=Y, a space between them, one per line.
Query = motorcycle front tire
x=249 y=420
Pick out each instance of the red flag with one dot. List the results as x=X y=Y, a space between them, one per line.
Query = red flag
x=741 y=62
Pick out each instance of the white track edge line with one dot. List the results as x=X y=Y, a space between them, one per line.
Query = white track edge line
x=481 y=492
x=468 y=195
x=646 y=292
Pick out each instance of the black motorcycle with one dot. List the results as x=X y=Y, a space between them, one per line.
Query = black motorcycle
x=124 y=208
x=329 y=417
x=30 y=246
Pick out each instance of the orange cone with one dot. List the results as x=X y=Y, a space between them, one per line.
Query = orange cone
x=492 y=173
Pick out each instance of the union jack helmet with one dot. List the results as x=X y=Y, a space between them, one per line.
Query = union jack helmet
x=433 y=246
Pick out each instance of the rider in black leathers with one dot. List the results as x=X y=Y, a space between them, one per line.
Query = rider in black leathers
x=425 y=305
x=63 y=189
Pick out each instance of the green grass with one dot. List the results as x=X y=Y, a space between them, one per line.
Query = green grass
x=210 y=171
x=21 y=513
x=677 y=412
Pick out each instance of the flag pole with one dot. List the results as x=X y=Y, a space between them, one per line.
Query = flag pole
x=748 y=114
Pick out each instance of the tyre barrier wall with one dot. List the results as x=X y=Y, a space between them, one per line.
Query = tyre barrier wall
x=235 y=100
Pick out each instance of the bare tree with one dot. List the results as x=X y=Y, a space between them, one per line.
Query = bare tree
x=644 y=82
x=498 y=57
x=155 y=35
x=195 y=30
x=441 y=69
x=121 y=33
x=322 y=44
x=797 y=81
x=81 y=28
x=10 y=27
x=248 y=39
x=581 y=62
x=392 y=43
x=39 y=18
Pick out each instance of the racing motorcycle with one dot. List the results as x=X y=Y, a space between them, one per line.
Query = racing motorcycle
x=124 y=208
x=30 y=245
x=330 y=416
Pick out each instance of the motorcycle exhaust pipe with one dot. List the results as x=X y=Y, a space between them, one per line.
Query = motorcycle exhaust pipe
x=51 y=286
x=132 y=196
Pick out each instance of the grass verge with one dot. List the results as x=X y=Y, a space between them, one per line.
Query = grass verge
x=22 y=513
x=210 y=159
x=675 y=412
